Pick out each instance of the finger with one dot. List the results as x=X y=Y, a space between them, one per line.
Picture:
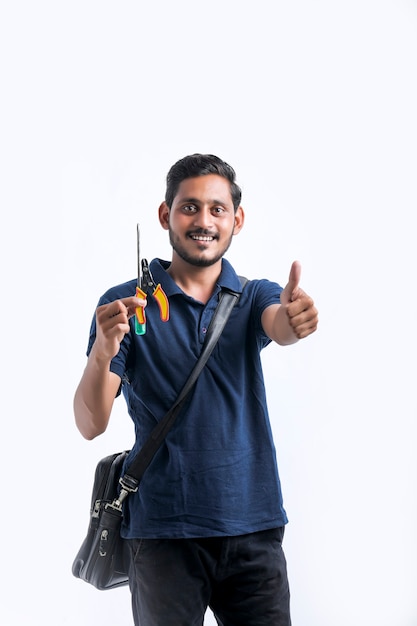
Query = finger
x=304 y=321
x=307 y=327
x=294 y=279
x=132 y=303
x=303 y=330
x=303 y=302
x=107 y=315
x=116 y=308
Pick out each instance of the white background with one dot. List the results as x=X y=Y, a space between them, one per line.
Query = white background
x=314 y=104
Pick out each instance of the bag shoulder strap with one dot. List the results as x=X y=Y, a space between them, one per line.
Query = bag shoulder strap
x=130 y=481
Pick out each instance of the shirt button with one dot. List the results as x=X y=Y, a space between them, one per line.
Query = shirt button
x=204 y=330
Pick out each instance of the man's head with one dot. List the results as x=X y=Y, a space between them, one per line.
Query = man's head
x=200 y=165
x=202 y=210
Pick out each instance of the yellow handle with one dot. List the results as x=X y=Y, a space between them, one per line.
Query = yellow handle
x=162 y=300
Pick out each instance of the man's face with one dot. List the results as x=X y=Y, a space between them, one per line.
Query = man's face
x=202 y=220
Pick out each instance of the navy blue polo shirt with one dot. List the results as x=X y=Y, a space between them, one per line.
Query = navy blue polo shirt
x=216 y=473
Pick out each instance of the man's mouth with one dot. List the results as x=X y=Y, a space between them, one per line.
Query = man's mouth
x=203 y=238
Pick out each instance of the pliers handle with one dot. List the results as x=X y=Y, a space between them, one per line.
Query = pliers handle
x=149 y=287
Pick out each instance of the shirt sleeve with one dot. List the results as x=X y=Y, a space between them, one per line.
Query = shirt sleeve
x=264 y=294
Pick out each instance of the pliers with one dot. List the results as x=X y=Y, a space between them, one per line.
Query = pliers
x=147 y=286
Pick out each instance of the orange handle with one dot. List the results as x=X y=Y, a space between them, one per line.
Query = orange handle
x=140 y=317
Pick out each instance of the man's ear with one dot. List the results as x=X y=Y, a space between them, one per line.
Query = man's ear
x=163 y=213
x=239 y=220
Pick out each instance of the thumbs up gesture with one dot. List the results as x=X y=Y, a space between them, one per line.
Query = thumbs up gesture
x=301 y=313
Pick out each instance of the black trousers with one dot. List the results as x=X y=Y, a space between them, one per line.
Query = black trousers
x=242 y=579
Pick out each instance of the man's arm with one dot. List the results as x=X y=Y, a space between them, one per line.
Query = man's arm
x=296 y=317
x=95 y=394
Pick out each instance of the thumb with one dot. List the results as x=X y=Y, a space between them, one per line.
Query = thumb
x=290 y=291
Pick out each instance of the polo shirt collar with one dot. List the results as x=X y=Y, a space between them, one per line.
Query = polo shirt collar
x=228 y=278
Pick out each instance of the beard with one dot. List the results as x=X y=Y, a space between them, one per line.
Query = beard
x=197 y=260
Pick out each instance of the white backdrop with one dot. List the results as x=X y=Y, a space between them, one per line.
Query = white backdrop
x=314 y=104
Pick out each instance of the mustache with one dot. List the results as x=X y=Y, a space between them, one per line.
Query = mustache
x=203 y=232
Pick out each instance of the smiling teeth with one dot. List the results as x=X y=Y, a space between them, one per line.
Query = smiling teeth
x=202 y=238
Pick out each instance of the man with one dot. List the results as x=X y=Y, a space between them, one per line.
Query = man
x=206 y=526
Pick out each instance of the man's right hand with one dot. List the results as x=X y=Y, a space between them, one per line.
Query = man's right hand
x=112 y=322
x=98 y=386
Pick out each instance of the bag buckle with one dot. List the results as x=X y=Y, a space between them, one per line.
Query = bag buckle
x=129 y=485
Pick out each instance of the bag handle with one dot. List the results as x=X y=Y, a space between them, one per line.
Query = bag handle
x=130 y=481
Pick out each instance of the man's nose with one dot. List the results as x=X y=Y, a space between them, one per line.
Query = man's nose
x=204 y=218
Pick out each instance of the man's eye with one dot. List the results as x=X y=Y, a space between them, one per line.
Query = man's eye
x=218 y=209
x=189 y=208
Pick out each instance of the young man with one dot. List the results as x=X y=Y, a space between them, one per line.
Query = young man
x=206 y=526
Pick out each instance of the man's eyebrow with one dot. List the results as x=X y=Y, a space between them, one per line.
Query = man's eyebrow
x=197 y=201
x=190 y=200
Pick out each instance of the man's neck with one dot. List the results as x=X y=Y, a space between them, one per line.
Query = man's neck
x=197 y=282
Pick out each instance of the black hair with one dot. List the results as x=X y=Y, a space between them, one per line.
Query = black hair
x=200 y=165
